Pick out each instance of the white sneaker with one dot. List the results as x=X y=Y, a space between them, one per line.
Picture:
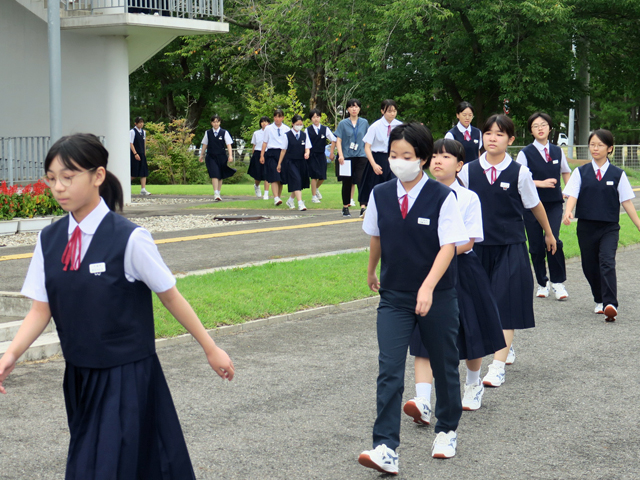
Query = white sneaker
x=494 y=377
x=599 y=308
x=291 y=203
x=315 y=199
x=277 y=201
x=318 y=194
x=611 y=312
x=418 y=408
x=543 y=292
x=352 y=203
x=444 y=446
x=511 y=357
x=143 y=191
x=472 y=399
x=217 y=198
x=301 y=206
x=560 y=291
x=256 y=189
x=381 y=458
x=266 y=196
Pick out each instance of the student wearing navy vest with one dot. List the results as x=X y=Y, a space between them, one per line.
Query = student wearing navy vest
x=94 y=271
x=469 y=137
x=272 y=143
x=138 y=154
x=292 y=165
x=415 y=226
x=318 y=135
x=214 y=144
x=596 y=190
x=256 y=169
x=547 y=163
x=505 y=189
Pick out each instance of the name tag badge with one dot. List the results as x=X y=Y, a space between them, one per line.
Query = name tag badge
x=475 y=141
x=97 y=268
x=424 y=221
x=504 y=185
x=321 y=136
x=353 y=146
x=555 y=162
x=220 y=138
x=610 y=182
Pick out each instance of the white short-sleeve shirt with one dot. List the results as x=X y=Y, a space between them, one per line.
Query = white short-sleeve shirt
x=451 y=227
x=275 y=137
x=307 y=143
x=132 y=134
x=142 y=261
x=522 y=158
x=572 y=188
x=471 y=211
x=526 y=188
x=257 y=138
x=378 y=134
x=329 y=134
x=462 y=129
x=227 y=137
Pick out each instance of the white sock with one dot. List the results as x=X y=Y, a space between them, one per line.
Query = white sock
x=473 y=378
x=498 y=363
x=423 y=390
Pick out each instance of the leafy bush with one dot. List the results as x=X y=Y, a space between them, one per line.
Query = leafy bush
x=30 y=201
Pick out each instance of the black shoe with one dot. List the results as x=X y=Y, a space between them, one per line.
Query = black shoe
x=345 y=212
x=362 y=210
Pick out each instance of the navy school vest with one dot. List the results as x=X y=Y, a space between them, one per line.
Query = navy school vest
x=295 y=149
x=319 y=141
x=472 y=147
x=410 y=245
x=599 y=200
x=138 y=144
x=217 y=145
x=502 y=207
x=541 y=170
x=102 y=320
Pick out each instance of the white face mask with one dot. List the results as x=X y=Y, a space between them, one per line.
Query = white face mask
x=297 y=128
x=405 y=170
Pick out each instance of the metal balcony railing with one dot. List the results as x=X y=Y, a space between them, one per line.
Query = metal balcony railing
x=202 y=9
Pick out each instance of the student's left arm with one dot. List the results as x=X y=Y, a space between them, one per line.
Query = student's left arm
x=631 y=211
x=282 y=154
x=229 y=141
x=173 y=301
x=375 y=251
x=541 y=215
x=529 y=195
x=439 y=267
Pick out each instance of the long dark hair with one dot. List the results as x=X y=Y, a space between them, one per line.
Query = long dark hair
x=85 y=151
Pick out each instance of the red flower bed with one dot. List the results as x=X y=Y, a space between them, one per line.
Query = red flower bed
x=27 y=201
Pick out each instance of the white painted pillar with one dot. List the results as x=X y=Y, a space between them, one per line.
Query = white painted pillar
x=116 y=113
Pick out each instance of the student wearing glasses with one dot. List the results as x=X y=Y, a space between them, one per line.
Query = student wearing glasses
x=470 y=137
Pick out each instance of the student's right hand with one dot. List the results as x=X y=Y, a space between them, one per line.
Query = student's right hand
x=567 y=218
x=278 y=168
x=261 y=159
x=221 y=363
x=341 y=159
x=201 y=159
x=372 y=281
x=7 y=363
x=377 y=169
x=548 y=183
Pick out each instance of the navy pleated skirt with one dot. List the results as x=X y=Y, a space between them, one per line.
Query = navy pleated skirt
x=294 y=174
x=218 y=167
x=271 y=159
x=123 y=424
x=317 y=165
x=139 y=168
x=511 y=282
x=256 y=169
x=370 y=179
x=480 y=328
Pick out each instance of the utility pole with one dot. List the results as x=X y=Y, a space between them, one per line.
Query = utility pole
x=55 y=71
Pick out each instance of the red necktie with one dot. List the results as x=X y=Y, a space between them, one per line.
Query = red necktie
x=547 y=157
x=599 y=175
x=71 y=255
x=404 y=207
x=467 y=137
x=493 y=174
x=388 y=130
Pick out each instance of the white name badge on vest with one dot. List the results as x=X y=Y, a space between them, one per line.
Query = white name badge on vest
x=555 y=162
x=504 y=185
x=475 y=140
x=97 y=268
x=321 y=136
x=353 y=146
x=424 y=221
x=610 y=182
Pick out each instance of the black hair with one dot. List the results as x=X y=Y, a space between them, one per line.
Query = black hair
x=215 y=117
x=315 y=111
x=278 y=112
x=84 y=151
x=505 y=125
x=462 y=106
x=138 y=120
x=416 y=135
x=546 y=117
x=296 y=118
x=354 y=101
x=452 y=147
x=605 y=137
x=384 y=106
x=263 y=119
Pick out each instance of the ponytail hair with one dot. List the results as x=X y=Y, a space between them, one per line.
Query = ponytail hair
x=84 y=151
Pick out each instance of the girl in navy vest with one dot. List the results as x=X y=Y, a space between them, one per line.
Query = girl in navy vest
x=415 y=226
x=376 y=146
x=480 y=329
x=596 y=190
x=94 y=271
x=138 y=154
x=505 y=189
x=318 y=135
x=292 y=165
x=256 y=169
x=469 y=137
x=214 y=144
x=272 y=143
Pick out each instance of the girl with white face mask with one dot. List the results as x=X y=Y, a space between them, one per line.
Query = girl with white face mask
x=292 y=165
x=415 y=226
